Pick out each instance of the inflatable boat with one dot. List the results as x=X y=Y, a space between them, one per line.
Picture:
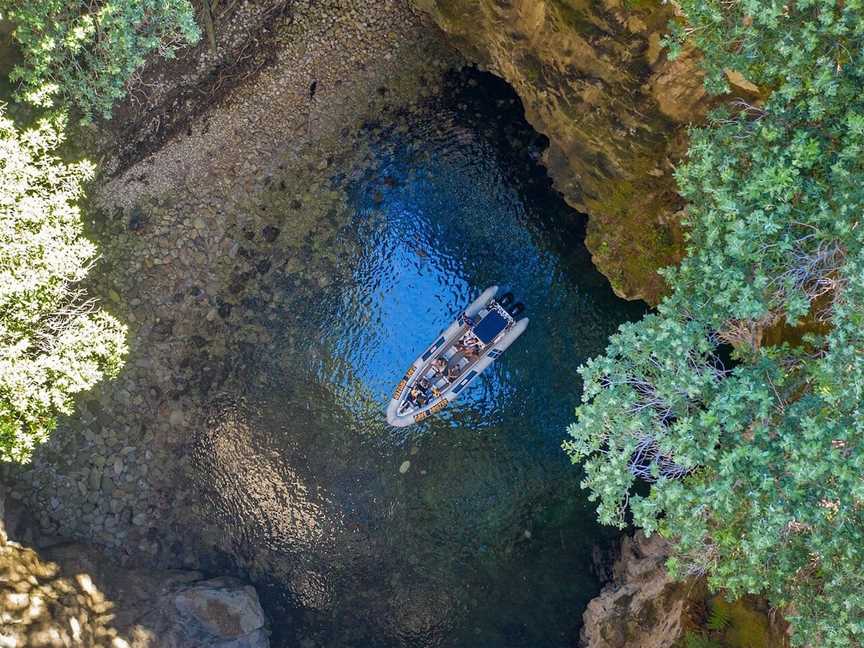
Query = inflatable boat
x=475 y=340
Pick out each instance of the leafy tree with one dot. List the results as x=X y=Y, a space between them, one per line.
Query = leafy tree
x=54 y=342
x=755 y=468
x=84 y=52
x=640 y=403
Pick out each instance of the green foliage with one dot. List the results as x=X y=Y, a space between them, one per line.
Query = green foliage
x=84 y=53
x=640 y=405
x=694 y=640
x=54 y=342
x=719 y=617
x=756 y=473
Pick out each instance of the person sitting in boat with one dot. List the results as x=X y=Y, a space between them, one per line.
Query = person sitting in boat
x=423 y=388
x=439 y=365
x=471 y=341
x=417 y=396
x=474 y=347
x=454 y=366
x=470 y=352
x=468 y=347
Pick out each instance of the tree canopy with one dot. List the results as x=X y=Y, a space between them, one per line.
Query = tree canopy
x=755 y=465
x=84 y=53
x=54 y=341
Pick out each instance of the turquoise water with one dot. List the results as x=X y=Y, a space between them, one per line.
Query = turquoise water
x=486 y=538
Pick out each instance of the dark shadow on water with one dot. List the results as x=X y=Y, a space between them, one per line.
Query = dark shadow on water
x=483 y=538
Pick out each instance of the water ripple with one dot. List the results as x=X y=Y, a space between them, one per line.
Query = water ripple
x=485 y=538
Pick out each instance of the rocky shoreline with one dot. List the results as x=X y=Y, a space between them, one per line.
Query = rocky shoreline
x=191 y=222
x=57 y=593
x=195 y=214
x=643 y=607
x=187 y=236
x=594 y=78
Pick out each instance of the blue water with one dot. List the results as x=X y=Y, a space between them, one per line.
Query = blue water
x=486 y=539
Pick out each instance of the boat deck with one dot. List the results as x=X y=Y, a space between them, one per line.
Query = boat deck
x=447 y=367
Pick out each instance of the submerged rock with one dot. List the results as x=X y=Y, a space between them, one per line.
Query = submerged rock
x=69 y=594
x=594 y=78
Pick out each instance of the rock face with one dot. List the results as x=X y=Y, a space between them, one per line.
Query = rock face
x=593 y=77
x=68 y=594
x=642 y=607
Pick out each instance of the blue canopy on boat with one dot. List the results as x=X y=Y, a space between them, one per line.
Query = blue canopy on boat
x=489 y=327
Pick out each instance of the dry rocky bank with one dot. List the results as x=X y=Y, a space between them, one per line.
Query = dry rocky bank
x=643 y=607
x=190 y=213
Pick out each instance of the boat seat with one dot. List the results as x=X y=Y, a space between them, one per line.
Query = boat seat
x=453 y=362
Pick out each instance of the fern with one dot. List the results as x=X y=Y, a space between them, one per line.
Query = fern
x=720 y=616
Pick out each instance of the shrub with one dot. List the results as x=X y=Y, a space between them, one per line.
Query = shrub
x=756 y=472
x=83 y=53
x=54 y=342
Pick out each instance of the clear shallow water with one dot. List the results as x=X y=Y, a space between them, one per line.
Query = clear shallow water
x=486 y=540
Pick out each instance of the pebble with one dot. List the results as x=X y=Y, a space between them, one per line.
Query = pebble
x=106 y=485
x=186 y=244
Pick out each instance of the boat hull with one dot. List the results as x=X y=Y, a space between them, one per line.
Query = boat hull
x=454 y=389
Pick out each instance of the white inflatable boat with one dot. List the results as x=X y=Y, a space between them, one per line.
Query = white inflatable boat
x=474 y=341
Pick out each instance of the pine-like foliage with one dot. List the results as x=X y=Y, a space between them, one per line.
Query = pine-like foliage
x=756 y=468
x=54 y=342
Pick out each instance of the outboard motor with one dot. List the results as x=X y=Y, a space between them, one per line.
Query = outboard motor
x=506 y=300
x=516 y=310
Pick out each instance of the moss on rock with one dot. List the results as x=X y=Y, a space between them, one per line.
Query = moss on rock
x=593 y=78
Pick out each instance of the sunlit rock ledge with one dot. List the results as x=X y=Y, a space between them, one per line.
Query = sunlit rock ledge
x=642 y=606
x=595 y=79
x=69 y=594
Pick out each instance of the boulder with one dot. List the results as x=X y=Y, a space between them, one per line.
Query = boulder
x=642 y=607
x=70 y=594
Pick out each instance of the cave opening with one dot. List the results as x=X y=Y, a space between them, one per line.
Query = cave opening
x=460 y=530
